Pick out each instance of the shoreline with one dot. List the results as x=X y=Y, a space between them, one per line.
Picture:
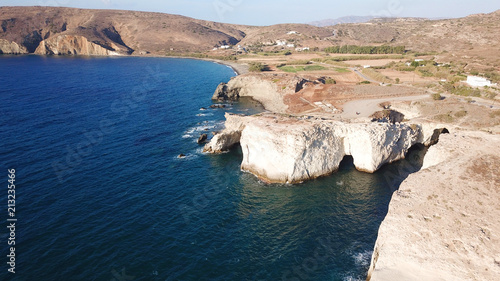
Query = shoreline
x=238 y=68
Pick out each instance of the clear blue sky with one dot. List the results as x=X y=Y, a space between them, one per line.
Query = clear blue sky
x=267 y=12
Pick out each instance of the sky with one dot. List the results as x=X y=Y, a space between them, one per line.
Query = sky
x=268 y=12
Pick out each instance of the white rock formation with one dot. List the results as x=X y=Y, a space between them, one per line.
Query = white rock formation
x=442 y=223
x=261 y=88
x=229 y=137
x=289 y=150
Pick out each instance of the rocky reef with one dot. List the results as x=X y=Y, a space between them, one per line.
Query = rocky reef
x=284 y=149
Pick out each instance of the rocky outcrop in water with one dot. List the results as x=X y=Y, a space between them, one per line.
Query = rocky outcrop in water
x=73 y=45
x=8 y=47
x=230 y=136
x=290 y=150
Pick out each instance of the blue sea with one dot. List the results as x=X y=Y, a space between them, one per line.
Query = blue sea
x=102 y=195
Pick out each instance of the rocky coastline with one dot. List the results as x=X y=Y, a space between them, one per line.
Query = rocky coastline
x=438 y=226
x=286 y=149
x=442 y=222
x=283 y=148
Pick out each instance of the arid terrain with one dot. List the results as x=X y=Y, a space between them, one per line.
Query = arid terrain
x=442 y=223
x=126 y=32
x=473 y=41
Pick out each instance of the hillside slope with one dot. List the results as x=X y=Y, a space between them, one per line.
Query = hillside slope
x=473 y=41
x=123 y=32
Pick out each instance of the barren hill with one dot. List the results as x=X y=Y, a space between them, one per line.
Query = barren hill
x=473 y=40
x=123 y=32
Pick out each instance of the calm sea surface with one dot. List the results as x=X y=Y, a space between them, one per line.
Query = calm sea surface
x=101 y=194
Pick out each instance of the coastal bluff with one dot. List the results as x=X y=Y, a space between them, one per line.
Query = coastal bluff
x=442 y=223
x=284 y=149
x=75 y=45
x=8 y=47
x=261 y=87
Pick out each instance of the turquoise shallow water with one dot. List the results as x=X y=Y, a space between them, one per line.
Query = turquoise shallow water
x=101 y=194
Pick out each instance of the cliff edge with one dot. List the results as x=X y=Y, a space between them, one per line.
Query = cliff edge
x=261 y=87
x=442 y=223
x=74 y=45
x=283 y=149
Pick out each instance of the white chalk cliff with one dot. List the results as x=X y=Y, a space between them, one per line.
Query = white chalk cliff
x=281 y=149
x=261 y=87
x=442 y=223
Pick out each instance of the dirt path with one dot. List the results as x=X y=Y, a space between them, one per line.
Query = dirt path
x=363 y=76
x=367 y=107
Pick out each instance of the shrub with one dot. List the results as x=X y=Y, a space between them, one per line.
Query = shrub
x=398 y=80
x=258 y=67
x=425 y=73
x=314 y=67
x=495 y=113
x=447 y=118
x=437 y=96
x=352 y=49
x=292 y=69
x=461 y=113
x=330 y=81
x=298 y=62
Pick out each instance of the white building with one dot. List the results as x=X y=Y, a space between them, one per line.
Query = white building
x=419 y=60
x=476 y=81
x=281 y=42
x=292 y=32
x=225 y=47
x=302 y=49
x=367 y=66
x=291 y=45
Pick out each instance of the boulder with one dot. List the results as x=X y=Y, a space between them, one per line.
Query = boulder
x=202 y=138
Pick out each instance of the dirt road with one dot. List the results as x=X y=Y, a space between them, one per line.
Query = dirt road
x=366 y=108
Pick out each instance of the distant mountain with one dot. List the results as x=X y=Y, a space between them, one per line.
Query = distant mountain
x=348 y=19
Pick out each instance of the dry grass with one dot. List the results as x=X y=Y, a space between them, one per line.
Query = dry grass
x=376 y=75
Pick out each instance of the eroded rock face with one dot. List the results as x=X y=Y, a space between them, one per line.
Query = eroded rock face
x=442 y=223
x=261 y=87
x=72 y=45
x=230 y=136
x=8 y=47
x=288 y=150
